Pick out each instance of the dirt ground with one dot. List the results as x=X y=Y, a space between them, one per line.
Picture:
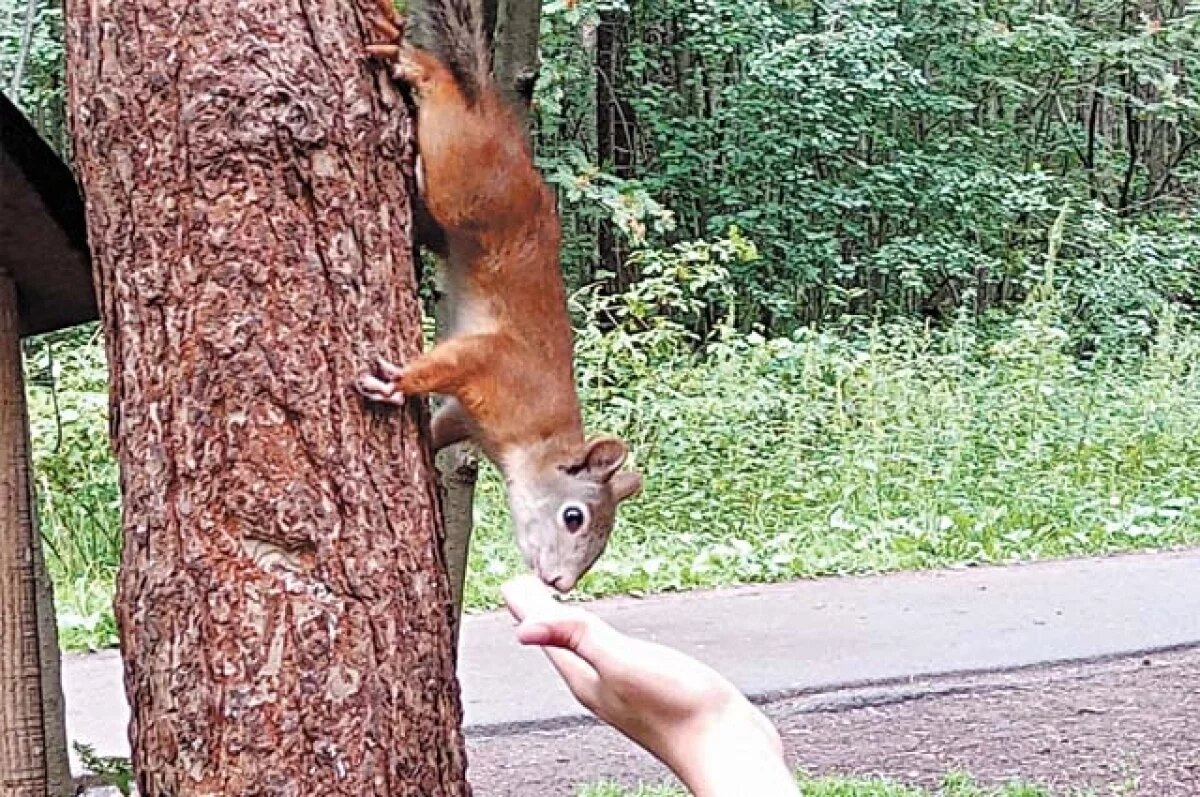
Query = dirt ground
x=1120 y=727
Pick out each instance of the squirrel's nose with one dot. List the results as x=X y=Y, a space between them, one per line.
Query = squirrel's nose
x=559 y=581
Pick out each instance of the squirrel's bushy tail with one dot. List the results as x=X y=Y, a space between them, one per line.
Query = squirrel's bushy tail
x=453 y=30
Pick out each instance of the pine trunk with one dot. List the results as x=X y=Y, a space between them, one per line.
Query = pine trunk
x=283 y=606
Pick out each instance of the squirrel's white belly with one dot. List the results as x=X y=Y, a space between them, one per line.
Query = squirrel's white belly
x=473 y=315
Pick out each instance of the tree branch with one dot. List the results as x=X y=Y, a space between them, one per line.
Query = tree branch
x=18 y=75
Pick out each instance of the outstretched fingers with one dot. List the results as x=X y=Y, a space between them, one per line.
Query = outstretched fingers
x=580 y=678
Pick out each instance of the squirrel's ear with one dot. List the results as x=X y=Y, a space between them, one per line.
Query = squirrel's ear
x=600 y=459
x=625 y=484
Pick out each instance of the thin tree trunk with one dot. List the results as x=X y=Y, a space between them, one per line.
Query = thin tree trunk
x=458 y=468
x=458 y=472
x=283 y=606
x=29 y=765
x=515 y=59
x=491 y=11
x=18 y=73
x=615 y=128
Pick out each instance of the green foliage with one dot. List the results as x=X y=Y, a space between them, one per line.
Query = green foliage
x=892 y=159
x=36 y=52
x=904 y=447
x=116 y=771
x=76 y=481
x=594 y=194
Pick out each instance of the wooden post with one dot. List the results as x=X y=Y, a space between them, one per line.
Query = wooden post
x=25 y=766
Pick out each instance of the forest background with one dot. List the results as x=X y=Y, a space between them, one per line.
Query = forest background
x=867 y=285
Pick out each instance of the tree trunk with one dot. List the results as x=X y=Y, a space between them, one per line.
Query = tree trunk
x=515 y=59
x=23 y=766
x=283 y=606
x=614 y=136
x=458 y=472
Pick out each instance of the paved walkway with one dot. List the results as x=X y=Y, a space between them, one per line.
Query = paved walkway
x=808 y=636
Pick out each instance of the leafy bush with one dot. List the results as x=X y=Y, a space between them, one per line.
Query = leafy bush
x=891 y=159
x=76 y=481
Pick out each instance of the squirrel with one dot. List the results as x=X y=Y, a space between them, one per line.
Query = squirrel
x=507 y=365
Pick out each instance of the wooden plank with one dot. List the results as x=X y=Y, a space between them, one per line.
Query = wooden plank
x=43 y=239
x=23 y=765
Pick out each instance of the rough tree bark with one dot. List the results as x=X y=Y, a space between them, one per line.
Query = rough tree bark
x=33 y=760
x=283 y=606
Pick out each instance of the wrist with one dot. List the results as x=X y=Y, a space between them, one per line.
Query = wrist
x=735 y=753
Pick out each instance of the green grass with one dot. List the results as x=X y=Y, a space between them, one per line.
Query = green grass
x=76 y=482
x=817 y=456
x=117 y=772
x=952 y=786
x=772 y=460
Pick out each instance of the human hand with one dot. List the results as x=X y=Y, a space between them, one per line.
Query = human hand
x=681 y=711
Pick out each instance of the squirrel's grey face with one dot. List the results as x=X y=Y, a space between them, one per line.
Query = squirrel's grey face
x=564 y=512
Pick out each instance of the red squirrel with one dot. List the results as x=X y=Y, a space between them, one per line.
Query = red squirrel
x=507 y=364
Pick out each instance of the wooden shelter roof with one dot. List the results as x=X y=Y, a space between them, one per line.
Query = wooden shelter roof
x=43 y=239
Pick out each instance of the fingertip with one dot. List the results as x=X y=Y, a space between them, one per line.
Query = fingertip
x=521 y=584
x=525 y=594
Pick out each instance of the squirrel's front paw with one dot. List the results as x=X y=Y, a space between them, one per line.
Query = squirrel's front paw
x=381 y=384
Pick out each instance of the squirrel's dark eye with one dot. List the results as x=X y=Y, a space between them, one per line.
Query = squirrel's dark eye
x=573 y=518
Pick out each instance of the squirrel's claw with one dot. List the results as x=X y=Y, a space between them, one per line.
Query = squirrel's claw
x=373 y=388
x=390 y=23
x=390 y=26
x=387 y=369
x=381 y=384
x=390 y=12
x=388 y=51
x=386 y=29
